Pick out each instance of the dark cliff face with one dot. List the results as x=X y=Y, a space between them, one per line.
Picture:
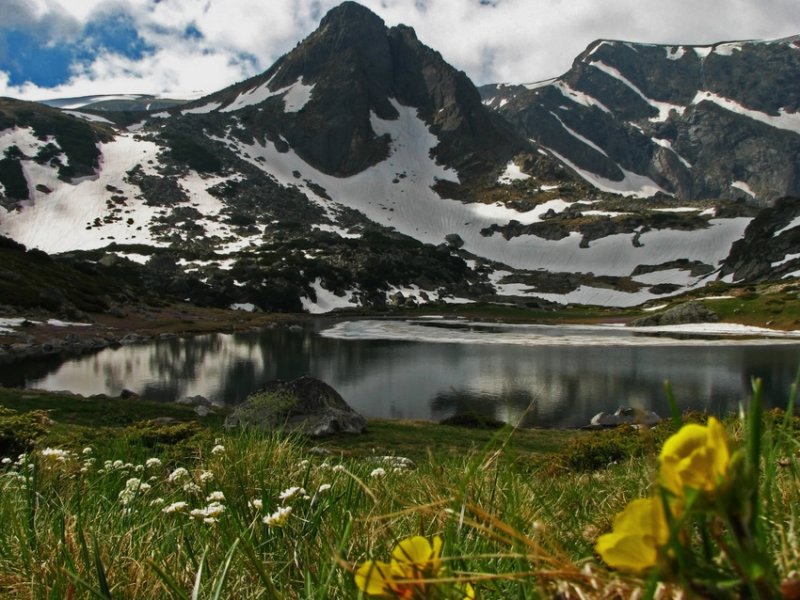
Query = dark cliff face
x=770 y=247
x=357 y=67
x=702 y=122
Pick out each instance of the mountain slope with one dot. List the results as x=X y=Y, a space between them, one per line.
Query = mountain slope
x=359 y=170
x=696 y=121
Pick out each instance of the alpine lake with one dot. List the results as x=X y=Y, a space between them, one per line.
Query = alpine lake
x=430 y=368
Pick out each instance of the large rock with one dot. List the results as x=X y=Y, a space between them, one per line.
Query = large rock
x=624 y=415
x=307 y=406
x=688 y=312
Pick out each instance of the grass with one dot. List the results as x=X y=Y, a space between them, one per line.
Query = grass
x=516 y=520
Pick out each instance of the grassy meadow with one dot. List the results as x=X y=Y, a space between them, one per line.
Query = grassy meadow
x=102 y=499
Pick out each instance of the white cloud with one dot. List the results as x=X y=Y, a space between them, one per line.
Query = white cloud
x=512 y=41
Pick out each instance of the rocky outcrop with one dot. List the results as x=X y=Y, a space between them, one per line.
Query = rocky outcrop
x=770 y=248
x=306 y=406
x=688 y=312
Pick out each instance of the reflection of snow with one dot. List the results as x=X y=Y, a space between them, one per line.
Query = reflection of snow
x=459 y=332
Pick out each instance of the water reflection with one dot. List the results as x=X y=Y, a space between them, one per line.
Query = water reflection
x=553 y=376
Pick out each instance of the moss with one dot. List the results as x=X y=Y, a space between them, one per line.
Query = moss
x=19 y=431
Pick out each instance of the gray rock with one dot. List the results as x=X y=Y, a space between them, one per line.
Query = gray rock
x=688 y=312
x=203 y=411
x=625 y=415
x=132 y=338
x=194 y=401
x=307 y=406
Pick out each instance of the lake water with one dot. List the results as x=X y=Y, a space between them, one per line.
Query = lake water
x=556 y=376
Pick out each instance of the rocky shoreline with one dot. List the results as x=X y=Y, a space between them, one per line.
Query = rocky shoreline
x=41 y=335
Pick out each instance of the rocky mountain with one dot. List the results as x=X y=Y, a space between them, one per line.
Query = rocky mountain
x=363 y=170
x=697 y=122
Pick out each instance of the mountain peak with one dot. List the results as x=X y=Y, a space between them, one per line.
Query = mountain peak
x=350 y=14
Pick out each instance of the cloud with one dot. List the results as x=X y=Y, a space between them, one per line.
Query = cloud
x=181 y=47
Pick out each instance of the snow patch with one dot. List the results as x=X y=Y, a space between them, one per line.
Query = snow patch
x=742 y=185
x=88 y=117
x=703 y=51
x=295 y=96
x=787 y=259
x=788 y=121
x=663 y=108
x=327 y=300
x=728 y=49
x=632 y=184
x=579 y=137
x=668 y=145
x=243 y=306
x=539 y=84
x=675 y=53
x=512 y=173
x=792 y=224
x=201 y=110
x=579 y=97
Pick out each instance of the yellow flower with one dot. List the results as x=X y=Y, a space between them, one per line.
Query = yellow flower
x=695 y=457
x=413 y=560
x=639 y=532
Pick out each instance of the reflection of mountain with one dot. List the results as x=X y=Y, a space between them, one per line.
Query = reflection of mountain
x=565 y=385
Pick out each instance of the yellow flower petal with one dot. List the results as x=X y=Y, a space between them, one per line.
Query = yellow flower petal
x=638 y=533
x=696 y=457
x=374 y=578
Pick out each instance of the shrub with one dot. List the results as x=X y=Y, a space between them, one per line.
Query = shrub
x=19 y=432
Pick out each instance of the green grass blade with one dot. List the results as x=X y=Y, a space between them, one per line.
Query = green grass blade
x=100 y=570
x=673 y=404
x=199 y=577
x=219 y=583
x=169 y=581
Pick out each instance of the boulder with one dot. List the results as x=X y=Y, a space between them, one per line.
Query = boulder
x=306 y=405
x=624 y=415
x=688 y=312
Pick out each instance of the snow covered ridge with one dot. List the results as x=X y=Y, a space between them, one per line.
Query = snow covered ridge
x=691 y=108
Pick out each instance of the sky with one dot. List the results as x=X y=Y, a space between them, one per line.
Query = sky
x=188 y=48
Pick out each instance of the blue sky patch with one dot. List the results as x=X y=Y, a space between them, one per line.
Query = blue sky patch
x=28 y=58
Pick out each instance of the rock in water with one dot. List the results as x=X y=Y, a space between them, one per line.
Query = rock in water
x=307 y=406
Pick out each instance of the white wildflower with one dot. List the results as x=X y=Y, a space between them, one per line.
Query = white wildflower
x=175 y=507
x=291 y=492
x=218 y=449
x=87 y=451
x=379 y=472
x=338 y=468
x=210 y=520
x=324 y=488
x=6 y=461
x=177 y=475
x=215 y=497
x=117 y=464
x=206 y=476
x=303 y=463
x=213 y=510
x=279 y=517
x=192 y=488
x=152 y=463
x=157 y=501
x=56 y=453
x=138 y=468
x=256 y=503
